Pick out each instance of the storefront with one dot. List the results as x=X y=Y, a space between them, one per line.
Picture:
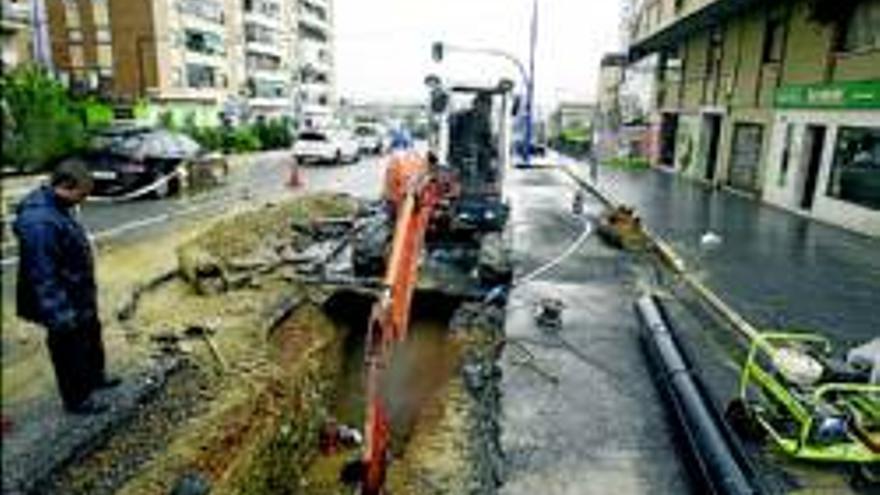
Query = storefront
x=697 y=144
x=824 y=157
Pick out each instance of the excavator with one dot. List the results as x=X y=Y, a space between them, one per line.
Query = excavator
x=440 y=227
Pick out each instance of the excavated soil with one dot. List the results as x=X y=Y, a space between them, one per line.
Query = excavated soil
x=262 y=366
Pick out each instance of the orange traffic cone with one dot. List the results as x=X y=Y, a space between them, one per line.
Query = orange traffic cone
x=294 y=180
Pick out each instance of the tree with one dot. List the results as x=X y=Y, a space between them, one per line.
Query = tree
x=45 y=124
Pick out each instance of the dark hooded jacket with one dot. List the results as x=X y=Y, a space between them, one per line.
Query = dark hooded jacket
x=56 y=280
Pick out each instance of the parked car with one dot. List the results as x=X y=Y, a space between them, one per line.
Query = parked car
x=370 y=137
x=326 y=146
x=127 y=159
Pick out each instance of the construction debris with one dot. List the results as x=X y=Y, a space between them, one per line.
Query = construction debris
x=234 y=250
x=620 y=227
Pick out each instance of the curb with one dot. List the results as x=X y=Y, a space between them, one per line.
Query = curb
x=675 y=262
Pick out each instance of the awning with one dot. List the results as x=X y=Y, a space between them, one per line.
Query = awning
x=683 y=27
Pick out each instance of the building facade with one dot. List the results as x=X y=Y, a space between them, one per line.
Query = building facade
x=16 y=33
x=316 y=95
x=778 y=100
x=235 y=59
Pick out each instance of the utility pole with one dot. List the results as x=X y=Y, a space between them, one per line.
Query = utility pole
x=42 y=51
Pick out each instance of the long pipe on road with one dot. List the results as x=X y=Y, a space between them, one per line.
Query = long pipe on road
x=677 y=265
x=720 y=462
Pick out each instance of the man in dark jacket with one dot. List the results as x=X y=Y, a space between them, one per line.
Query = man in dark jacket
x=56 y=285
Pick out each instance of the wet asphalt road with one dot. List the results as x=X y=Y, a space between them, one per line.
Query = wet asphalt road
x=601 y=429
x=778 y=269
x=262 y=179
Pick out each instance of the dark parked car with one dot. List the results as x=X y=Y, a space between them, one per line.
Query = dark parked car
x=126 y=159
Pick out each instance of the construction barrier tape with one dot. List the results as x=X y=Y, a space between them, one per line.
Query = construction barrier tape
x=161 y=181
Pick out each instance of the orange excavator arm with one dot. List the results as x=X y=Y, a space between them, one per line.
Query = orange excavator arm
x=414 y=193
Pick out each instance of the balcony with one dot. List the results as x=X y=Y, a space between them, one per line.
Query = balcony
x=313 y=18
x=315 y=55
x=279 y=104
x=263 y=19
x=264 y=12
x=210 y=12
x=312 y=32
x=660 y=24
x=16 y=16
x=312 y=90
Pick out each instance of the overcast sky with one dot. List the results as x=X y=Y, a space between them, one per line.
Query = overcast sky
x=383 y=47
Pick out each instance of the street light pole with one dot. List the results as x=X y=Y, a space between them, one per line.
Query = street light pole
x=533 y=41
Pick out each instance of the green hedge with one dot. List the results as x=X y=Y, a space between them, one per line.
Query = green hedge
x=630 y=163
x=263 y=135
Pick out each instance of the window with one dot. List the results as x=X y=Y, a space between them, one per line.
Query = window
x=209 y=10
x=265 y=7
x=774 y=39
x=262 y=61
x=102 y=34
x=176 y=77
x=855 y=171
x=71 y=15
x=714 y=51
x=105 y=56
x=259 y=34
x=77 y=57
x=311 y=33
x=75 y=35
x=315 y=10
x=203 y=42
x=862 y=28
x=267 y=89
x=100 y=12
x=201 y=76
x=670 y=70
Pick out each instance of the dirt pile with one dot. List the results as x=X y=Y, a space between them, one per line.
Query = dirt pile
x=243 y=412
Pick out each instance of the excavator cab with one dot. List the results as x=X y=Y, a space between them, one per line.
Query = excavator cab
x=471 y=142
x=465 y=250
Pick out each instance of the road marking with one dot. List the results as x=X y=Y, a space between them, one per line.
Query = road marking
x=134 y=225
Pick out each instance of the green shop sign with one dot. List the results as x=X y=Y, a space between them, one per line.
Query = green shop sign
x=852 y=95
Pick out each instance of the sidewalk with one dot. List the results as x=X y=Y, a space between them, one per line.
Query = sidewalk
x=581 y=415
x=777 y=269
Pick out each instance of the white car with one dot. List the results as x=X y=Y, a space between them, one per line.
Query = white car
x=370 y=138
x=326 y=146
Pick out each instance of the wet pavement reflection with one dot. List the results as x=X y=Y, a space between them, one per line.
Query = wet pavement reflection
x=778 y=269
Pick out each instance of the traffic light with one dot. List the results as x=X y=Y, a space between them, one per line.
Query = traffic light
x=437 y=51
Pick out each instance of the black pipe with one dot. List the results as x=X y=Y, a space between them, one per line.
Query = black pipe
x=719 y=460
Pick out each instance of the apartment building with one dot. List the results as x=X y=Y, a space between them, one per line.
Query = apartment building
x=15 y=33
x=212 y=58
x=316 y=96
x=778 y=100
